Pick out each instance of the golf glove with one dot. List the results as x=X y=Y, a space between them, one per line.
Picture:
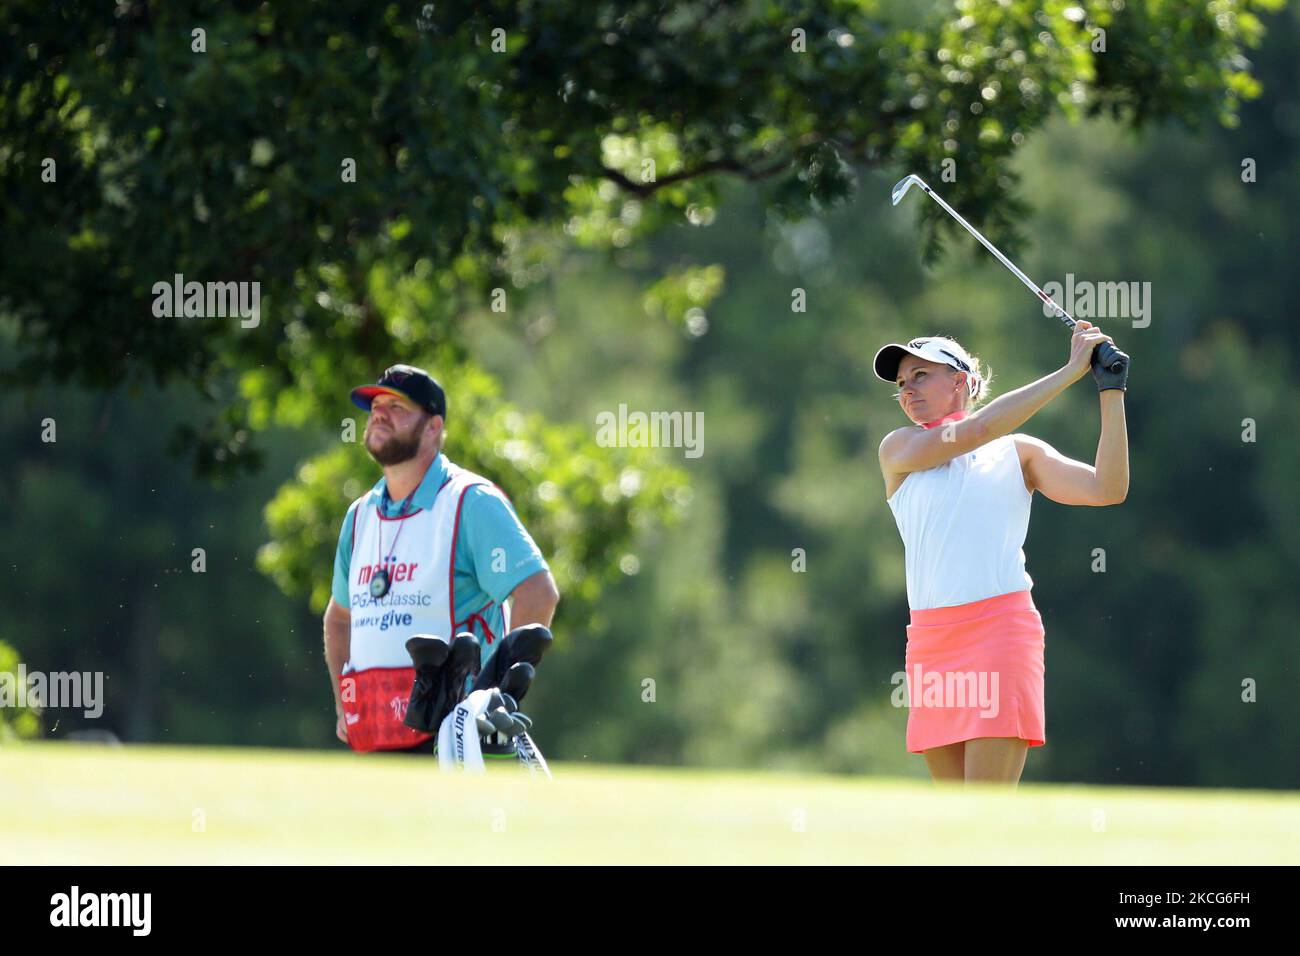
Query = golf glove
x=1105 y=377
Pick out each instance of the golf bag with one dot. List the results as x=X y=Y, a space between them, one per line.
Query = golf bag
x=487 y=724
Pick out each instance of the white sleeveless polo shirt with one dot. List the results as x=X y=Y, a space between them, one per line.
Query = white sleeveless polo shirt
x=963 y=525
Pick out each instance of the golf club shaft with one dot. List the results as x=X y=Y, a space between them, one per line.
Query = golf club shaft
x=1107 y=355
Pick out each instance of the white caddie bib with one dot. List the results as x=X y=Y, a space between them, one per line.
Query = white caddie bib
x=417 y=551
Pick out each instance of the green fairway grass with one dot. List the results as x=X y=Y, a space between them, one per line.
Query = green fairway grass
x=68 y=803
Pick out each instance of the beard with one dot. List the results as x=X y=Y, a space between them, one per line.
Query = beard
x=397 y=448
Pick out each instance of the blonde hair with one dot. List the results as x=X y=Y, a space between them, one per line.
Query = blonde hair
x=979 y=378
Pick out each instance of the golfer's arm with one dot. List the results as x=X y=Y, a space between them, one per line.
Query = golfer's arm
x=338 y=640
x=1008 y=412
x=533 y=600
x=1112 y=448
x=916 y=449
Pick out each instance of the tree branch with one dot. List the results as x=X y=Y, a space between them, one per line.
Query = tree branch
x=727 y=165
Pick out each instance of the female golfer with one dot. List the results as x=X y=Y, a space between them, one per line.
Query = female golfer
x=960 y=482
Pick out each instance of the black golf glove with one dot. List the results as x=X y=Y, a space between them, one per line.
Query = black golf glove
x=1105 y=377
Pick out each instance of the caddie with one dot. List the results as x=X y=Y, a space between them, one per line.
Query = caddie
x=432 y=548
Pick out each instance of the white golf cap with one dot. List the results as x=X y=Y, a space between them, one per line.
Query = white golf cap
x=931 y=348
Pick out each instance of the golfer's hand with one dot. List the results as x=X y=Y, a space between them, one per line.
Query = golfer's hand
x=341 y=728
x=1113 y=375
x=1085 y=339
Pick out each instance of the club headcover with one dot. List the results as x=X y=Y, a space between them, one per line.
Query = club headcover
x=440 y=674
x=427 y=650
x=529 y=643
x=428 y=655
x=526 y=644
x=462 y=662
x=517 y=681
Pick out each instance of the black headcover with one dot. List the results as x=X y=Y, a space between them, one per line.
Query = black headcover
x=525 y=644
x=440 y=675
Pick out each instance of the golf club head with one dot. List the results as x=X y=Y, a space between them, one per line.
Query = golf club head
x=427 y=650
x=902 y=186
x=502 y=721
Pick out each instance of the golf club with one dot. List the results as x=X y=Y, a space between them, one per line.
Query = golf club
x=1108 y=356
x=532 y=758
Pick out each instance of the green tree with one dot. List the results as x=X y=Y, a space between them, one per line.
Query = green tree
x=15 y=722
x=468 y=125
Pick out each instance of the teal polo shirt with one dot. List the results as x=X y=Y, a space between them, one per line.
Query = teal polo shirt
x=487 y=522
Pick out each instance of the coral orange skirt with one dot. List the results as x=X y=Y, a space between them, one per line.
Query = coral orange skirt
x=975 y=670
